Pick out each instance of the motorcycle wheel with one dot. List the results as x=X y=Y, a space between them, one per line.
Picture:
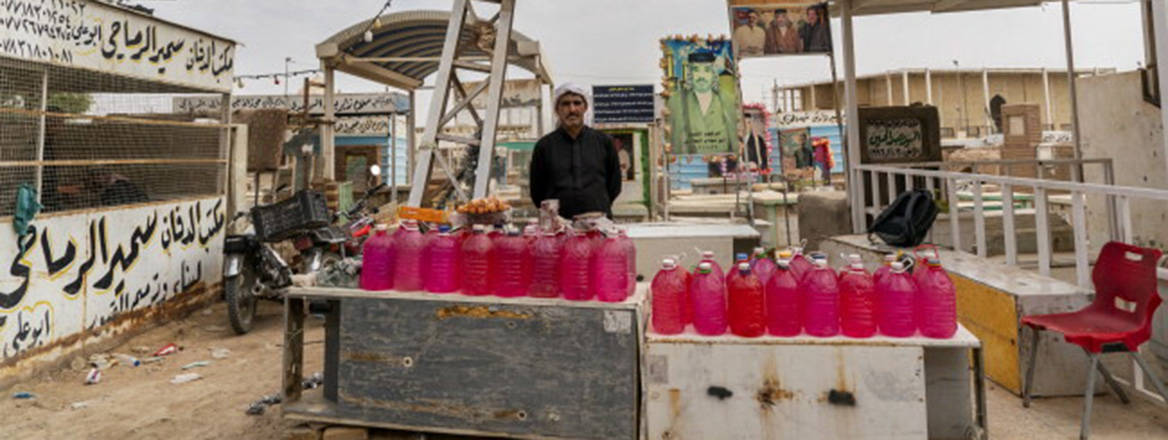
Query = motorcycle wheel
x=241 y=299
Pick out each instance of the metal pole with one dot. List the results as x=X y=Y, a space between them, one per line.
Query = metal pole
x=40 y=146
x=328 y=143
x=855 y=187
x=985 y=90
x=888 y=82
x=1046 y=96
x=1160 y=29
x=286 y=61
x=929 y=86
x=411 y=142
x=1071 y=79
x=904 y=83
x=494 y=96
x=393 y=158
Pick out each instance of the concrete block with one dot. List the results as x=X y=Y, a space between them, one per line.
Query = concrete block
x=301 y=433
x=345 y=433
x=823 y=214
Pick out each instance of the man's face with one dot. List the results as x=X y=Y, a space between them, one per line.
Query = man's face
x=752 y=18
x=703 y=76
x=781 y=18
x=570 y=109
x=812 y=16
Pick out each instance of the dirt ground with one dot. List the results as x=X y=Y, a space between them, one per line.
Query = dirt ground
x=141 y=403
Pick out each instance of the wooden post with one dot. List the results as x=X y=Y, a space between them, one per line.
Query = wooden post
x=856 y=190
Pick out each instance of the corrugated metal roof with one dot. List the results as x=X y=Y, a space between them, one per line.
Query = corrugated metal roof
x=878 y=7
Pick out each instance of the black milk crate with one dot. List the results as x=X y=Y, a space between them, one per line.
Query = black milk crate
x=304 y=210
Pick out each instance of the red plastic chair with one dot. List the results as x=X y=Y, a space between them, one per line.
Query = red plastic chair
x=1117 y=321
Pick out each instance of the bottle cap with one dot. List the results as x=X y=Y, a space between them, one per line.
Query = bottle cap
x=744 y=268
x=897 y=266
x=478 y=229
x=381 y=227
x=741 y=256
x=857 y=266
x=785 y=254
x=705 y=267
x=444 y=229
x=707 y=255
x=511 y=232
x=668 y=264
x=933 y=261
x=783 y=264
x=819 y=262
x=888 y=258
x=796 y=250
x=759 y=250
x=855 y=258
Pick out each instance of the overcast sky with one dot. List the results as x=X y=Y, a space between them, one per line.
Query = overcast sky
x=615 y=41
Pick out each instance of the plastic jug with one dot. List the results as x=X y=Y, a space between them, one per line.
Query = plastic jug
x=610 y=269
x=408 y=254
x=895 y=295
x=800 y=266
x=377 y=261
x=849 y=261
x=821 y=301
x=545 y=266
x=936 y=301
x=857 y=302
x=746 y=299
x=574 y=261
x=783 y=302
x=670 y=292
x=442 y=271
x=708 y=294
x=733 y=273
x=631 y=256
x=708 y=257
x=885 y=268
x=513 y=265
x=762 y=266
x=477 y=262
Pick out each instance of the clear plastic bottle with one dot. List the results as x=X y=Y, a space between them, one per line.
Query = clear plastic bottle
x=574 y=261
x=884 y=269
x=857 y=302
x=545 y=266
x=377 y=261
x=610 y=269
x=784 y=305
x=477 y=263
x=762 y=266
x=936 y=301
x=746 y=303
x=821 y=301
x=709 y=301
x=408 y=254
x=896 y=293
x=669 y=292
x=443 y=271
x=513 y=269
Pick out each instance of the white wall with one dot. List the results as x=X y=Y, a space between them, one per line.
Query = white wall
x=81 y=271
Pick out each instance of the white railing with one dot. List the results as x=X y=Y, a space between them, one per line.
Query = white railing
x=1119 y=201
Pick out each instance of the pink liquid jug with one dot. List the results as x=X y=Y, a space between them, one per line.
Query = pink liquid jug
x=708 y=257
x=377 y=261
x=762 y=266
x=610 y=270
x=746 y=304
x=408 y=254
x=857 y=302
x=669 y=292
x=821 y=301
x=574 y=261
x=477 y=263
x=885 y=268
x=443 y=271
x=513 y=269
x=783 y=302
x=799 y=264
x=631 y=256
x=936 y=301
x=895 y=294
x=545 y=266
x=709 y=301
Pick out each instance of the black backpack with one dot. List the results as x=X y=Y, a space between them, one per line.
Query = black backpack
x=907 y=220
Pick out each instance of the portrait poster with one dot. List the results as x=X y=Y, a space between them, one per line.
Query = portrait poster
x=623 y=143
x=796 y=153
x=764 y=28
x=701 y=93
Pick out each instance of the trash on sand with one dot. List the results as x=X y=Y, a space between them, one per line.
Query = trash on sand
x=152 y=359
x=102 y=361
x=23 y=395
x=167 y=350
x=93 y=377
x=220 y=353
x=79 y=405
x=141 y=349
x=258 y=407
x=129 y=360
x=196 y=364
x=184 y=378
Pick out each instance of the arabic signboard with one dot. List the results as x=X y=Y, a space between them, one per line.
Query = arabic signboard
x=805 y=119
x=344 y=104
x=623 y=104
x=899 y=135
x=516 y=93
x=95 y=36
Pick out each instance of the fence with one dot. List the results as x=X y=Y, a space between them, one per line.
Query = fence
x=87 y=139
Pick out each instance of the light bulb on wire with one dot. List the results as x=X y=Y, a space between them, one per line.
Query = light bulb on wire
x=368 y=36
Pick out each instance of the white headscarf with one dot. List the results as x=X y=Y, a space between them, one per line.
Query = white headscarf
x=575 y=89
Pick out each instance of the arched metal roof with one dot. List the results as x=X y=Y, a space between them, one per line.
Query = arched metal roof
x=409 y=44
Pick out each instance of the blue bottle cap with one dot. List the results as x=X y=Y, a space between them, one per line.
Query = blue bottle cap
x=741 y=256
x=444 y=228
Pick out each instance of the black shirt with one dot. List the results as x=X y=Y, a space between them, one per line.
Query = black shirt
x=583 y=173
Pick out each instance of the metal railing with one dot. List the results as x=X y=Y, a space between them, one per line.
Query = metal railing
x=1118 y=202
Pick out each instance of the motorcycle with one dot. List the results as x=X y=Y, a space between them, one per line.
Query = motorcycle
x=253 y=270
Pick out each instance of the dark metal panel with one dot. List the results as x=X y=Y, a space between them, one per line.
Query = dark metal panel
x=499 y=368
